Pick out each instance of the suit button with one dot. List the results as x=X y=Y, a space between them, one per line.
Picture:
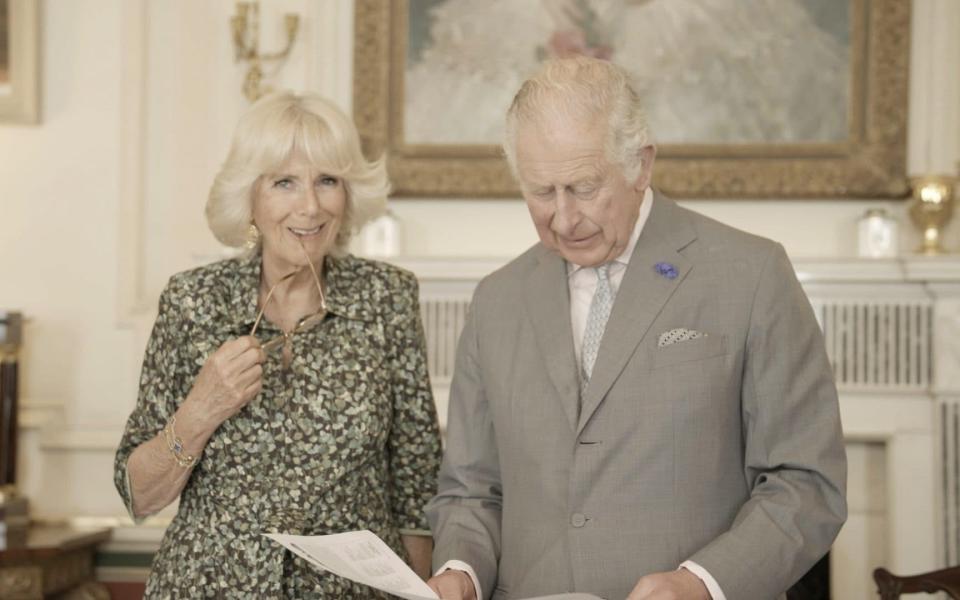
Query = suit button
x=578 y=520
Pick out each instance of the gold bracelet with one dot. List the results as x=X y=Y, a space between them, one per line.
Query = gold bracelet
x=175 y=445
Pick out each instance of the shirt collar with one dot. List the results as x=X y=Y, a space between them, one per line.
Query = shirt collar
x=645 y=206
x=346 y=292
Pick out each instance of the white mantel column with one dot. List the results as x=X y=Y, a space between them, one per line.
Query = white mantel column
x=934 y=133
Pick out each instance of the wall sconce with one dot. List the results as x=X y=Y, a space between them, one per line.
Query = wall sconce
x=246 y=33
x=931 y=209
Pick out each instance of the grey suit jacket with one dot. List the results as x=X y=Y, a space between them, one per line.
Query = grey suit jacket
x=725 y=449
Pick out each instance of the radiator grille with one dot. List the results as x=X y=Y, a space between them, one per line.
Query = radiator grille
x=443 y=319
x=870 y=346
x=881 y=345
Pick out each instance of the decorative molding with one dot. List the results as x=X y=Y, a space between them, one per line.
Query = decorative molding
x=878 y=415
x=46 y=417
x=124 y=574
x=371 y=73
x=81 y=440
x=934 y=133
x=934 y=269
x=872 y=163
x=450 y=269
x=908 y=268
x=131 y=287
x=39 y=415
x=329 y=58
x=849 y=270
x=22 y=582
x=949 y=423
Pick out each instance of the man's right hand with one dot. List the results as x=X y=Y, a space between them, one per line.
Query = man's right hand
x=453 y=585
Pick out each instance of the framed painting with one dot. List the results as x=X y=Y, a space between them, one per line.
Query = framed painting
x=745 y=99
x=19 y=61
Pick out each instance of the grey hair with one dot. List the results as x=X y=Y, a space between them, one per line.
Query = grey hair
x=584 y=88
x=273 y=128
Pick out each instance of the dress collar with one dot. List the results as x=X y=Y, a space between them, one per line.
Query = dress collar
x=347 y=292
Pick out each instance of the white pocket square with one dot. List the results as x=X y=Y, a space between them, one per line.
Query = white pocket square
x=675 y=336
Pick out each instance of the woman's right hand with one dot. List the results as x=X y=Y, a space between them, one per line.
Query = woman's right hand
x=230 y=378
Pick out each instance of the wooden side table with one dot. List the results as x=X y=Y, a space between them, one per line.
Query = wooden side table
x=54 y=562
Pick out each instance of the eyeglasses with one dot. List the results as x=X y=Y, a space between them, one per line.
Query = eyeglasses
x=306 y=323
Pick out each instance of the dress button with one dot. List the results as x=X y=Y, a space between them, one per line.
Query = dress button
x=578 y=520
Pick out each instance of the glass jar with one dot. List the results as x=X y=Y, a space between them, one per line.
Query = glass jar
x=382 y=237
x=877 y=234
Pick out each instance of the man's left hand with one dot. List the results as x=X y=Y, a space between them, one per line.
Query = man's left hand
x=674 y=585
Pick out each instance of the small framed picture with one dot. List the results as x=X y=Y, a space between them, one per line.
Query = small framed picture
x=19 y=61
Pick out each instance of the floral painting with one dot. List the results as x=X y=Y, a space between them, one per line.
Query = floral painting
x=710 y=71
x=745 y=98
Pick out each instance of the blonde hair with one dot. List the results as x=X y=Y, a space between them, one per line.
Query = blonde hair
x=582 y=89
x=273 y=128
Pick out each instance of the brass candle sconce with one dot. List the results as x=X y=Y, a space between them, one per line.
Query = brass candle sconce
x=245 y=25
x=931 y=209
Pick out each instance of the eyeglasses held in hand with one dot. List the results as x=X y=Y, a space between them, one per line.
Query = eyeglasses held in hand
x=306 y=323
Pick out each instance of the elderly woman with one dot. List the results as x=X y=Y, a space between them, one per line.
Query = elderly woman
x=285 y=390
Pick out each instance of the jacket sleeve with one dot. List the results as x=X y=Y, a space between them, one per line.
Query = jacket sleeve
x=794 y=457
x=465 y=514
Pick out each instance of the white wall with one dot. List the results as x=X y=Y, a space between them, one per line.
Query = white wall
x=103 y=200
x=807 y=228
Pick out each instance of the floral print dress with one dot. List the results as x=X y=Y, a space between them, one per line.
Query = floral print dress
x=345 y=437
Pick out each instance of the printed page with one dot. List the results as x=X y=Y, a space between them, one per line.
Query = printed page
x=360 y=556
x=363 y=557
x=572 y=596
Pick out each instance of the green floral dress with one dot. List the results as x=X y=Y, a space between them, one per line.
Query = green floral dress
x=344 y=438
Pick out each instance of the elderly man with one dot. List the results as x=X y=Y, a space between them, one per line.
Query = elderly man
x=642 y=406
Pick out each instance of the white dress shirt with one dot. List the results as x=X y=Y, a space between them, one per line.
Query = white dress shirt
x=582 y=282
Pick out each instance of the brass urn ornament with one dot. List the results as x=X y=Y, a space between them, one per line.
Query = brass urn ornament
x=931 y=209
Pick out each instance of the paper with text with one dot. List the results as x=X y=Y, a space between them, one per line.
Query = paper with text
x=571 y=596
x=360 y=556
x=363 y=557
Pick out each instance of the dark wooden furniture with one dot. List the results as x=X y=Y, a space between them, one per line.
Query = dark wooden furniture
x=11 y=329
x=54 y=562
x=815 y=585
x=890 y=586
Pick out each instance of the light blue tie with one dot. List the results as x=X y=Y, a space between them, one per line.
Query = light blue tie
x=600 y=307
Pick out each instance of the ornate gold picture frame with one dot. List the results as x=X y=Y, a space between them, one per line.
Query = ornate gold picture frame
x=19 y=61
x=868 y=160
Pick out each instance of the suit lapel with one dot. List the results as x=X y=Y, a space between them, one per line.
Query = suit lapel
x=642 y=295
x=547 y=298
